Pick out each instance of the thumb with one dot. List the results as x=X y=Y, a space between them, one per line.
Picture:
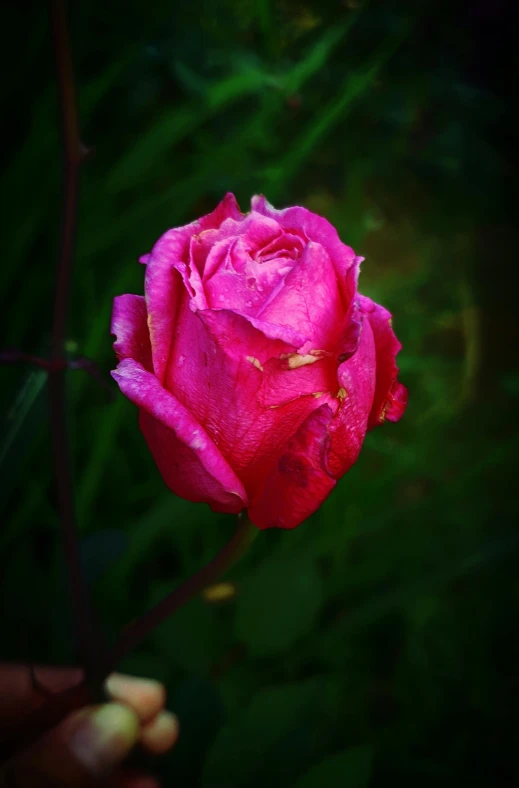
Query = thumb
x=85 y=747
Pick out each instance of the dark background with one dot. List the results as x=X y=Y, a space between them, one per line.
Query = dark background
x=374 y=645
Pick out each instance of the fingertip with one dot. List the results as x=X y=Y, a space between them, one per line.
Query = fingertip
x=146 y=697
x=88 y=745
x=160 y=734
x=104 y=737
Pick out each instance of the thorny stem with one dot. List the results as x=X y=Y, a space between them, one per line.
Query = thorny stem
x=135 y=632
x=97 y=663
x=54 y=710
x=88 y=638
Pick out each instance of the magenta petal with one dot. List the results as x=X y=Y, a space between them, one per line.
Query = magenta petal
x=164 y=290
x=166 y=267
x=188 y=460
x=287 y=334
x=390 y=398
x=227 y=208
x=309 y=299
x=130 y=327
x=299 y=482
x=282 y=383
x=315 y=228
x=218 y=365
x=356 y=378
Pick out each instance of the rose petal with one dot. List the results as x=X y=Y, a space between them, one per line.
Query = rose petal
x=390 y=397
x=217 y=369
x=227 y=208
x=164 y=289
x=163 y=285
x=130 y=327
x=315 y=228
x=187 y=458
x=356 y=377
x=299 y=481
x=283 y=381
x=285 y=334
x=255 y=230
x=309 y=299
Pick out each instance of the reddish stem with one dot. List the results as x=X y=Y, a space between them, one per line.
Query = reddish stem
x=87 y=635
x=58 y=707
x=138 y=630
x=97 y=664
x=15 y=356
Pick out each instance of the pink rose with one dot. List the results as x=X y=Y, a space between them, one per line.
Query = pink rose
x=256 y=365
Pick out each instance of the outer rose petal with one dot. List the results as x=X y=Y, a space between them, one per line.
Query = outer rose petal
x=390 y=398
x=357 y=381
x=187 y=458
x=217 y=368
x=163 y=284
x=299 y=482
x=129 y=324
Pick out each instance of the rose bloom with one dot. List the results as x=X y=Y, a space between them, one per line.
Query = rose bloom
x=256 y=365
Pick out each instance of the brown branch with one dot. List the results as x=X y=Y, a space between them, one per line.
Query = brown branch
x=87 y=634
x=13 y=356
x=135 y=632
x=96 y=663
x=58 y=707
x=16 y=356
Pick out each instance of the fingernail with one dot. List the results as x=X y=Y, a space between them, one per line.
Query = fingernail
x=119 y=684
x=104 y=737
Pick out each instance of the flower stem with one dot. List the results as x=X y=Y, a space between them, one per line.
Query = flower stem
x=229 y=555
x=87 y=633
x=60 y=705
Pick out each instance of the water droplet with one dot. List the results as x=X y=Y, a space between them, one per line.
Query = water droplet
x=180 y=361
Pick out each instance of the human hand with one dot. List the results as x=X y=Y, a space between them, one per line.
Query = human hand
x=87 y=748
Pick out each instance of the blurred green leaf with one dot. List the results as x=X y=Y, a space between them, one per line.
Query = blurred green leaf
x=352 y=769
x=100 y=550
x=199 y=709
x=277 y=605
x=108 y=426
x=316 y=57
x=247 y=749
x=22 y=423
x=192 y=638
x=178 y=123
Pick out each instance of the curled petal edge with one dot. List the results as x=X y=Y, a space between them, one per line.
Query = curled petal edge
x=223 y=490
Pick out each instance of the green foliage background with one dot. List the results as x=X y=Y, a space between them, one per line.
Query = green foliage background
x=373 y=645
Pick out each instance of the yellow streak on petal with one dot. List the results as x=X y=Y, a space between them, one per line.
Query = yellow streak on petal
x=255 y=362
x=295 y=360
x=342 y=393
x=318 y=394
